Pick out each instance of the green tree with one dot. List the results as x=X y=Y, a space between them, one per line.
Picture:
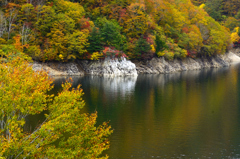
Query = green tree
x=231 y=23
x=160 y=44
x=214 y=9
x=111 y=34
x=65 y=133
x=142 y=47
x=238 y=15
x=183 y=40
x=95 y=41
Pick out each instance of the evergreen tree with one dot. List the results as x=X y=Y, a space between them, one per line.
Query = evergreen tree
x=142 y=47
x=111 y=34
x=95 y=40
x=160 y=44
x=214 y=9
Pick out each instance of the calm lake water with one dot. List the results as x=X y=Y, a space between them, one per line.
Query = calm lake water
x=193 y=114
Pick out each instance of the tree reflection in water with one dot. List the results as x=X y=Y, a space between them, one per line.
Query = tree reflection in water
x=193 y=114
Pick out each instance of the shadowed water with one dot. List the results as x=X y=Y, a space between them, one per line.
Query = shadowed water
x=193 y=114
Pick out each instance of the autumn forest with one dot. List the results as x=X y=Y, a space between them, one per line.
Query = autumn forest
x=63 y=30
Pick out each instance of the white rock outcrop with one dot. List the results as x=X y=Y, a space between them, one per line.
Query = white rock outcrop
x=109 y=67
x=233 y=57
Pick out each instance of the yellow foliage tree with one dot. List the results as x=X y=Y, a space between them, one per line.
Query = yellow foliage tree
x=73 y=10
x=234 y=36
x=195 y=38
x=136 y=23
x=66 y=132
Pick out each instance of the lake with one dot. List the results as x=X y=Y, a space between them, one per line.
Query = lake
x=193 y=114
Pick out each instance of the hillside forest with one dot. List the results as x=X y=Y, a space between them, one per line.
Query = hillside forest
x=64 y=30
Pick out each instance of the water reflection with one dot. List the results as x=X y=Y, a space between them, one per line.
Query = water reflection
x=117 y=86
x=193 y=114
x=160 y=80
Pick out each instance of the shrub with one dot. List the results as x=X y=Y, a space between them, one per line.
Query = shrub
x=169 y=55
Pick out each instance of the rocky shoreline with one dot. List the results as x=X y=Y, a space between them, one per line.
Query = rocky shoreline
x=161 y=66
x=59 y=68
x=123 y=67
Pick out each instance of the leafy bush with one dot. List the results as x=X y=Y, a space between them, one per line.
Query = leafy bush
x=96 y=56
x=160 y=53
x=180 y=53
x=169 y=55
